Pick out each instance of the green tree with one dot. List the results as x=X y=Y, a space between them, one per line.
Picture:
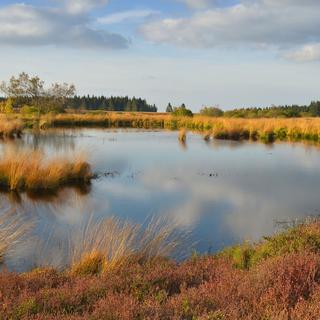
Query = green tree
x=182 y=111
x=211 y=112
x=31 y=91
x=134 y=106
x=128 y=106
x=8 y=106
x=169 y=108
x=111 y=105
x=315 y=108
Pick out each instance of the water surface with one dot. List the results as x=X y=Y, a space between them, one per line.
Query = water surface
x=222 y=191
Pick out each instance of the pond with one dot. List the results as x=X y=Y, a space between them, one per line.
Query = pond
x=222 y=192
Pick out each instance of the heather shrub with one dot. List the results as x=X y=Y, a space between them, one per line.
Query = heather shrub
x=282 y=285
x=26 y=309
x=116 y=306
x=300 y=238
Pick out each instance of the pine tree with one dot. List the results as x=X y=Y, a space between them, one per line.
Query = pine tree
x=169 y=108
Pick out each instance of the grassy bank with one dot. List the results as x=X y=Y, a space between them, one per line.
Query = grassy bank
x=31 y=171
x=281 y=281
x=262 y=129
x=266 y=130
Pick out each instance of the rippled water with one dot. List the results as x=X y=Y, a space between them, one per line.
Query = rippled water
x=222 y=191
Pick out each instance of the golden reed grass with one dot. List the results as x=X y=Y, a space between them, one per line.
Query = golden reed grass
x=266 y=129
x=10 y=128
x=30 y=170
x=182 y=135
x=103 y=245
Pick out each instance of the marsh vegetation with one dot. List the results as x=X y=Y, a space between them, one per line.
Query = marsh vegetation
x=116 y=267
x=268 y=130
x=283 y=282
x=10 y=128
x=32 y=171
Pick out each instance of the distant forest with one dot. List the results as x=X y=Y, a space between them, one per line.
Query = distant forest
x=293 y=111
x=110 y=104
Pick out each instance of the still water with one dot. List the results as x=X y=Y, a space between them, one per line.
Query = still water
x=223 y=192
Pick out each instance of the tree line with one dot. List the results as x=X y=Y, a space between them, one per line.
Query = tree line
x=31 y=95
x=111 y=104
x=293 y=111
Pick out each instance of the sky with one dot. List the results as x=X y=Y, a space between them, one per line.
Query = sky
x=227 y=53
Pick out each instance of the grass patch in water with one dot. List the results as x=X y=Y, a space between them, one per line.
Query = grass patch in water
x=31 y=171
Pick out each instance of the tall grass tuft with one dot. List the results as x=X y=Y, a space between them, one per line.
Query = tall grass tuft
x=182 y=135
x=100 y=246
x=31 y=171
x=10 y=128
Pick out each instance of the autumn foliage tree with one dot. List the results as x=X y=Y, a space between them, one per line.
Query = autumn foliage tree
x=31 y=90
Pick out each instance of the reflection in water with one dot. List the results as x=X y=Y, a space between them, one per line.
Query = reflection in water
x=224 y=191
x=50 y=140
x=183 y=144
x=64 y=141
x=50 y=196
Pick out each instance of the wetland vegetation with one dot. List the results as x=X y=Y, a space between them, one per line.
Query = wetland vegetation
x=114 y=268
x=31 y=171
x=266 y=130
x=277 y=278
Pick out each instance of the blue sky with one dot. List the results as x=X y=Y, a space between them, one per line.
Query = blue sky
x=231 y=53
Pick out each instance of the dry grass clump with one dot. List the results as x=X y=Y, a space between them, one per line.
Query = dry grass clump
x=207 y=136
x=182 y=135
x=30 y=170
x=111 y=243
x=10 y=128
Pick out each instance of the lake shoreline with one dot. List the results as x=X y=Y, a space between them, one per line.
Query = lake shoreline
x=278 y=275
x=260 y=129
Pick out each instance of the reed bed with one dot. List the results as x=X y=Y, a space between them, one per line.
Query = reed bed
x=10 y=128
x=106 y=244
x=267 y=129
x=263 y=129
x=32 y=171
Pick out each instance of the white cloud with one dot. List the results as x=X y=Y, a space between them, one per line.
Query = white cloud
x=79 y=6
x=198 y=3
x=126 y=15
x=310 y=52
x=261 y=23
x=22 y=24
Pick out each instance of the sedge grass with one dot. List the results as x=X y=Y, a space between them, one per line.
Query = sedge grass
x=265 y=129
x=10 y=128
x=182 y=135
x=111 y=243
x=31 y=171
